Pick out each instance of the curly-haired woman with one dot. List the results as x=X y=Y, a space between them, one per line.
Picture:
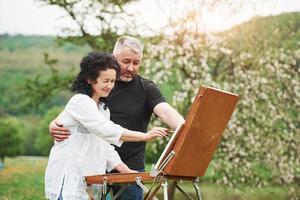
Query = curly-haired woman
x=88 y=151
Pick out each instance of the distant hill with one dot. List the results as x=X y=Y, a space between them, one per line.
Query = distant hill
x=27 y=52
x=261 y=33
x=14 y=42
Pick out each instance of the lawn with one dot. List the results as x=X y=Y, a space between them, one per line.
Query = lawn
x=23 y=178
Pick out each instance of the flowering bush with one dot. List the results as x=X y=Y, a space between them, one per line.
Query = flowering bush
x=261 y=143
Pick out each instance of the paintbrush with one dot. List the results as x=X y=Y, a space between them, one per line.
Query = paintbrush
x=170 y=132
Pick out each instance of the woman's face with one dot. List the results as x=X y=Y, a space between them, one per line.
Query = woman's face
x=104 y=83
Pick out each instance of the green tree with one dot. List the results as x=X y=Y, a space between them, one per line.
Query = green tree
x=41 y=89
x=108 y=19
x=29 y=132
x=259 y=146
x=10 y=138
x=44 y=141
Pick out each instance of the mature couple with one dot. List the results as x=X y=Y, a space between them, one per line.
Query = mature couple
x=112 y=105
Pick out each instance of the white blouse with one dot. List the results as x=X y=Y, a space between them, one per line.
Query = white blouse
x=88 y=150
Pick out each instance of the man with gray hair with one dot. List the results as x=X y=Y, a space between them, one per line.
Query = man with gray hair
x=131 y=104
x=128 y=49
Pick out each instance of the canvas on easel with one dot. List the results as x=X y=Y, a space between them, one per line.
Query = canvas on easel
x=199 y=136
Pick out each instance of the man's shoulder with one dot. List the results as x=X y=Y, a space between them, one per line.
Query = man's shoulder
x=142 y=79
x=146 y=82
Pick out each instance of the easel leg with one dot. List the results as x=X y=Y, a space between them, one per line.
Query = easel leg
x=123 y=187
x=171 y=190
x=165 y=186
x=197 y=188
x=151 y=195
x=95 y=191
x=138 y=181
x=104 y=190
x=183 y=192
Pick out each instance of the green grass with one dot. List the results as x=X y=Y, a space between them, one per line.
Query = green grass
x=211 y=191
x=23 y=178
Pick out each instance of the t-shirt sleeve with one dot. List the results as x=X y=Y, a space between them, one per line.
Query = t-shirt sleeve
x=85 y=111
x=153 y=95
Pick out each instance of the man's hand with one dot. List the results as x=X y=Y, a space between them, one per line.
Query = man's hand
x=58 y=132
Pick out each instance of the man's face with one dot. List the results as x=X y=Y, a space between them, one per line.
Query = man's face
x=129 y=62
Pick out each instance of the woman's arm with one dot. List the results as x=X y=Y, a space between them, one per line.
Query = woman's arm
x=84 y=110
x=135 y=136
x=123 y=168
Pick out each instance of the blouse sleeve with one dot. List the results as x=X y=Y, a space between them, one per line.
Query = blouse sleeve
x=113 y=158
x=85 y=111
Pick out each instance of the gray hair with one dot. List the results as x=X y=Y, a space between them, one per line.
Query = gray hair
x=132 y=43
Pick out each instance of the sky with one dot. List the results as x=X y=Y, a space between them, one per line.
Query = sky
x=29 y=17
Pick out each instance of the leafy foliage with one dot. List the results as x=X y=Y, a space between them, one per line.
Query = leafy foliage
x=259 y=146
x=44 y=141
x=106 y=17
x=37 y=91
x=10 y=101
x=10 y=138
x=108 y=14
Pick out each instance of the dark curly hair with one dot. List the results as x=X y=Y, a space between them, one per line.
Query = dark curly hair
x=90 y=67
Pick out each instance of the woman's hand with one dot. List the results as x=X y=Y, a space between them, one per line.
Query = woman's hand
x=136 y=136
x=156 y=132
x=123 y=168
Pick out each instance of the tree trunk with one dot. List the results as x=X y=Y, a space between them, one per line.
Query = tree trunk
x=2 y=162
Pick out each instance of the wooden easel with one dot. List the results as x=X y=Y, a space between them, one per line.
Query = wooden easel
x=190 y=149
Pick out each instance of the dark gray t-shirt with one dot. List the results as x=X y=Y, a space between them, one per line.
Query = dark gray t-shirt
x=131 y=105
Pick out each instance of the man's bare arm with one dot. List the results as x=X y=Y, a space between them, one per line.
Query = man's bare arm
x=168 y=115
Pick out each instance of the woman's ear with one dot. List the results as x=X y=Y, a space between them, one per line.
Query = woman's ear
x=91 y=81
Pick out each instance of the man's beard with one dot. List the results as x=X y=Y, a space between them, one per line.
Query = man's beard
x=127 y=78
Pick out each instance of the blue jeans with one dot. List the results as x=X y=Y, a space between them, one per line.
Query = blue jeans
x=132 y=192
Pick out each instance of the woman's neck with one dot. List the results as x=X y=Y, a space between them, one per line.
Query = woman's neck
x=96 y=99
